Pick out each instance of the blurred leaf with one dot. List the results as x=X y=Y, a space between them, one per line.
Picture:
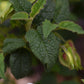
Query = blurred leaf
x=46 y=13
x=71 y=26
x=31 y=1
x=46 y=50
x=20 y=16
x=62 y=11
x=37 y=7
x=21 y=5
x=2 y=67
x=62 y=70
x=11 y=45
x=48 y=27
x=20 y=63
x=4 y=8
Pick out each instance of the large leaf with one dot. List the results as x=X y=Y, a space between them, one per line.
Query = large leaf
x=11 y=45
x=20 y=16
x=2 y=67
x=37 y=7
x=21 y=5
x=20 y=63
x=46 y=13
x=48 y=27
x=71 y=26
x=46 y=50
x=62 y=11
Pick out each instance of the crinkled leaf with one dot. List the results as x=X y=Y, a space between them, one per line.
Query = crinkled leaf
x=20 y=63
x=2 y=67
x=21 y=5
x=37 y=7
x=46 y=50
x=46 y=13
x=11 y=45
x=48 y=27
x=62 y=11
x=71 y=26
x=20 y=16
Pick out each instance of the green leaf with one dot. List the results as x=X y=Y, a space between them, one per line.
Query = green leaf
x=71 y=26
x=46 y=50
x=11 y=45
x=46 y=13
x=2 y=67
x=62 y=11
x=20 y=63
x=21 y=5
x=48 y=27
x=37 y=7
x=4 y=8
x=20 y=16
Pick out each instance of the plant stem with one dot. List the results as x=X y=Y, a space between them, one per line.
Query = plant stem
x=29 y=23
x=57 y=34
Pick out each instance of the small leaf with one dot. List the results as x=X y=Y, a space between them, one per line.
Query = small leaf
x=71 y=26
x=20 y=16
x=11 y=45
x=48 y=27
x=20 y=63
x=2 y=67
x=37 y=7
x=46 y=50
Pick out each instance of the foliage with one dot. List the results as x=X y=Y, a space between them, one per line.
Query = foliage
x=41 y=20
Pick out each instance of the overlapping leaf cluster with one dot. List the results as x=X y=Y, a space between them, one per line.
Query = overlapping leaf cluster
x=43 y=41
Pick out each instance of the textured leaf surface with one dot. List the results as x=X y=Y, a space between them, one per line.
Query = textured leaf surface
x=37 y=7
x=20 y=63
x=46 y=13
x=62 y=11
x=44 y=49
x=11 y=45
x=21 y=5
x=2 y=67
x=48 y=27
x=71 y=26
x=20 y=16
